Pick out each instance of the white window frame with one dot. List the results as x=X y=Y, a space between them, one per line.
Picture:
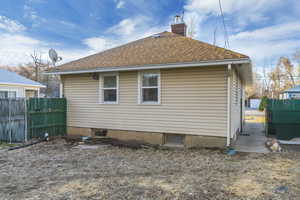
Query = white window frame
x=101 y=88
x=140 y=87
x=10 y=90
x=32 y=89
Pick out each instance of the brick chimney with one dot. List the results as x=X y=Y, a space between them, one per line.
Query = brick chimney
x=179 y=27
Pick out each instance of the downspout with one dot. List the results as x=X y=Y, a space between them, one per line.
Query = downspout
x=228 y=104
x=61 y=88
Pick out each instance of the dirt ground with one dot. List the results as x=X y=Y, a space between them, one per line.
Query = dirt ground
x=56 y=170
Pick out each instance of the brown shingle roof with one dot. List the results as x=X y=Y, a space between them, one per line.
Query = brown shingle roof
x=162 y=48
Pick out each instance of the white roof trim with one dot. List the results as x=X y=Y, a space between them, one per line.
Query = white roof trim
x=162 y=66
x=21 y=84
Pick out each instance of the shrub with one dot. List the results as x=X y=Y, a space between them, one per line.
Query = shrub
x=263 y=103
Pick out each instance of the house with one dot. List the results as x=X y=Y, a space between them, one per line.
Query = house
x=13 y=85
x=166 y=88
x=292 y=93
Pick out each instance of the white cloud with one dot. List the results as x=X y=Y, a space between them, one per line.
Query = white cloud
x=120 y=4
x=125 y=31
x=248 y=28
x=11 y=25
x=37 y=1
x=15 y=49
x=67 y=23
x=96 y=44
x=268 y=42
x=128 y=26
x=275 y=32
x=29 y=12
x=205 y=7
x=241 y=12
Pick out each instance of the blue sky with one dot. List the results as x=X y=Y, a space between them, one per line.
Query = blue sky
x=262 y=29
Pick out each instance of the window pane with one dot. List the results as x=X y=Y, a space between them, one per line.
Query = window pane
x=12 y=94
x=150 y=80
x=150 y=94
x=110 y=81
x=3 y=94
x=110 y=95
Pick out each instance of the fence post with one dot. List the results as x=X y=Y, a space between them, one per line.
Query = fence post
x=25 y=118
x=9 y=120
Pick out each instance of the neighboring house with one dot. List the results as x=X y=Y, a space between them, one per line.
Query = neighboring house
x=166 y=88
x=254 y=103
x=13 y=85
x=292 y=93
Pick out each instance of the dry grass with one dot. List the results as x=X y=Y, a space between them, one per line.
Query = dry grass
x=255 y=119
x=57 y=170
x=246 y=186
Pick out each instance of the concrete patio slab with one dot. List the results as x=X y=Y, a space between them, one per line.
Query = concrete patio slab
x=253 y=138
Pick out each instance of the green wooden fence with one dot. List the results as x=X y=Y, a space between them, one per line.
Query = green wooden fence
x=283 y=118
x=46 y=115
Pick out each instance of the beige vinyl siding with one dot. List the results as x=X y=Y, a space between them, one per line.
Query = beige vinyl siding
x=193 y=101
x=236 y=92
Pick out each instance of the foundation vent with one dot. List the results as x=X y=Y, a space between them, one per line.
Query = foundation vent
x=174 y=139
x=100 y=132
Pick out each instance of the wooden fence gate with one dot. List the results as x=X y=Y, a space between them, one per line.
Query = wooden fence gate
x=13 y=120
x=22 y=120
x=46 y=115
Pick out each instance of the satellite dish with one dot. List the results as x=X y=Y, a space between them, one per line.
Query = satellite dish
x=53 y=56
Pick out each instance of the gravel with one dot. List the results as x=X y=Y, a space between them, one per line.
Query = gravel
x=58 y=170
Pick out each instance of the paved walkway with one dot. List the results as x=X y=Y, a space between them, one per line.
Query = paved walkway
x=255 y=141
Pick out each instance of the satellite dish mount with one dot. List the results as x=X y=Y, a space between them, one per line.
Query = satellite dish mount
x=54 y=57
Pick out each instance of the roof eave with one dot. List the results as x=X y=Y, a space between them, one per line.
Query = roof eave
x=159 y=66
x=246 y=73
x=23 y=84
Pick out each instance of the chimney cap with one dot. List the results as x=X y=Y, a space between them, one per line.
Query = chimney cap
x=178 y=19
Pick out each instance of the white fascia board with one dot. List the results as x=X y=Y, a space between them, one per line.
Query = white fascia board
x=164 y=66
x=23 y=85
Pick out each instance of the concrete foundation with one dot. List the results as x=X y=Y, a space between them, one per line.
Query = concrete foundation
x=204 y=141
x=79 y=131
x=154 y=138
x=148 y=137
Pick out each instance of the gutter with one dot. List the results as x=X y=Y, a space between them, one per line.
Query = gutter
x=23 y=84
x=228 y=105
x=160 y=66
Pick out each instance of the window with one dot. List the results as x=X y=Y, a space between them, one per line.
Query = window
x=149 y=87
x=12 y=94
x=8 y=94
x=109 y=87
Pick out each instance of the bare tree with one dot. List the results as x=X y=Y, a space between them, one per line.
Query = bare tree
x=296 y=58
x=50 y=81
x=289 y=70
x=282 y=77
x=38 y=64
x=266 y=82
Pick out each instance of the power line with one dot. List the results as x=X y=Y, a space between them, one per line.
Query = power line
x=215 y=31
x=224 y=25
